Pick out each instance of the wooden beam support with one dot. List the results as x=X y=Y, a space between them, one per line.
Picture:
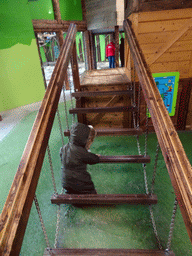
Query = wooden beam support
x=116 y=46
x=114 y=132
x=177 y=163
x=104 y=199
x=102 y=110
x=57 y=12
x=101 y=93
x=41 y=26
x=105 y=252
x=83 y=10
x=15 y=214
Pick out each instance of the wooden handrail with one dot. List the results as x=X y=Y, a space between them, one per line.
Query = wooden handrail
x=177 y=163
x=15 y=214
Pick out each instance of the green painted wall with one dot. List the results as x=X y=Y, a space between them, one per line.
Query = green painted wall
x=21 y=80
x=70 y=9
x=41 y=9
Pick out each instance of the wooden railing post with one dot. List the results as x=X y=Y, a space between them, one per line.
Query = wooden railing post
x=116 y=46
x=76 y=80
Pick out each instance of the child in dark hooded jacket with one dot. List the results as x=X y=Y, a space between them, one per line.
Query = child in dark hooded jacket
x=75 y=157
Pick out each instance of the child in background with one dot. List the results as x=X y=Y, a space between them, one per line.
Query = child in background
x=74 y=159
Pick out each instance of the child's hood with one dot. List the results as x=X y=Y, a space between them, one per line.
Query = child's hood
x=79 y=134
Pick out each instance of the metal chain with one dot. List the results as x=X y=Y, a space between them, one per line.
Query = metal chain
x=42 y=223
x=51 y=167
x=172 y=225
x=144 y=165
x=65 y=104
x=154 y=227
x=139 y=101
x=57 y=225
x=155 y=168
x=70 y=85
x=60 y=127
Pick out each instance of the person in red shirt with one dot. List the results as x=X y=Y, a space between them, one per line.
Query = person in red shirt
x=110 y=54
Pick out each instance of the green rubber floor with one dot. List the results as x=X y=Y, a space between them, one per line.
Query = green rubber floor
x=120 y=226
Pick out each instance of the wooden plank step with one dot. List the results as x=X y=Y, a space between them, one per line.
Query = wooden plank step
x=124 y=159
x=104 y=199
x=106 y=252
x=114 y=131
x=101 y=93
x=102 y=110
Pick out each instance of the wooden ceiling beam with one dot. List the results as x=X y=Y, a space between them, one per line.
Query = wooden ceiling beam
x=41 y=26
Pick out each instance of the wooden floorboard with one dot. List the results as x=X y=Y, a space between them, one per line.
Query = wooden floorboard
x=105 y=252
x=114 y=131
x=104 y=199
x=101 y=93
x=102 y=110
x=105 y=77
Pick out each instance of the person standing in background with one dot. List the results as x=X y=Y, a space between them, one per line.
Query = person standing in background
x=110 y=54
x=122 y=52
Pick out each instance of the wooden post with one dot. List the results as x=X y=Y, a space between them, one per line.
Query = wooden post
x=56 y=8
x=76 y=81
x=42 y=69
x=80 y=51
x=98 y=49
x=1 y=118
x=93 y=52
x=88 y=60
x=83 y=10
x=117 y=46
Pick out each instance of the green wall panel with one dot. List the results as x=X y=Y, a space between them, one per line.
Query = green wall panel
x=21 y=80
x=70 y=9
x=41 y=9
x=16 y=26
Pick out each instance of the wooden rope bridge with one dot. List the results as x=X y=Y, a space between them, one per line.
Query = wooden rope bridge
x=17 y=208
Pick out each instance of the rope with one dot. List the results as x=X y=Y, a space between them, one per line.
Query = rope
x=172 y=225
x=42 y=223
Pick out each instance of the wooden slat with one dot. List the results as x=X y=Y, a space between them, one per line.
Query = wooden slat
x=17 y=208
x=101 y=93
x=114 y=131
x=124 y=159
x=102 y=110
x=106 y=252
x=104 y=199
x=177 y=163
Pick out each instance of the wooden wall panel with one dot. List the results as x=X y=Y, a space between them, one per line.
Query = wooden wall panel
x=165 y=38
